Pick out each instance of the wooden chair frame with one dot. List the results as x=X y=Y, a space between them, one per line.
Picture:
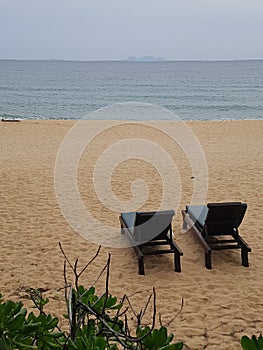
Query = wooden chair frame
x=213 y=241
x=165 y=238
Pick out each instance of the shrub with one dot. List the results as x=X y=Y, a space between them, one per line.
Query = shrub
x=95 y=322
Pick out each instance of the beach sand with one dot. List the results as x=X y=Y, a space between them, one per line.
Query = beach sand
x=219 y=305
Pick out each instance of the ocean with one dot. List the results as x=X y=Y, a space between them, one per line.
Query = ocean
x=192 y=90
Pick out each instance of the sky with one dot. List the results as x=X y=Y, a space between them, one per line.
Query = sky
x=116 y=29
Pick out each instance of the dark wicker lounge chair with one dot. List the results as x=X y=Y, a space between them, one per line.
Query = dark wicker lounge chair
x=213 y=223
x=150 y=229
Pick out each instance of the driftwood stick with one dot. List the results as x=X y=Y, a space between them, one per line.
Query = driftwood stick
x=10 y=120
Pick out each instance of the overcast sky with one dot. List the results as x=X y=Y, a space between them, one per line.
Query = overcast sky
x=116 y=29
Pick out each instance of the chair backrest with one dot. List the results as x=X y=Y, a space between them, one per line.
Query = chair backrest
x=223 y=218
x=152 y=225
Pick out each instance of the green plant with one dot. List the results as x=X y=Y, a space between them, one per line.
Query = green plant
x=89 y=339
x=252 y=344
x=95 y=322
x=158 y=339
x=19 y=331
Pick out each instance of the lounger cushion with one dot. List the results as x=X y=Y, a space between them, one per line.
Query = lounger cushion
x=129 y=220
x=145 y=226
x=227 y=212
x=218 y=218
x=198 y=213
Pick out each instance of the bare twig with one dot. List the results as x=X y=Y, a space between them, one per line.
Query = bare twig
x=146 y=306
x=66 y=258
x=160 y=320
x=78 y=310
x=107 y=283
x=69 y=307
x=100 y=274
x=178 y=313
x=154 y=309
x=88 y=264
x=130 y=305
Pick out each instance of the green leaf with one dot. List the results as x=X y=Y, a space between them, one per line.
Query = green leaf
x=155 y=340
x=176 y=346
x=56 y=334
x=23 y=345
x=248 y=344
x=260 y=341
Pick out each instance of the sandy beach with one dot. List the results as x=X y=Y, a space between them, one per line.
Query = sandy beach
x=219 y=305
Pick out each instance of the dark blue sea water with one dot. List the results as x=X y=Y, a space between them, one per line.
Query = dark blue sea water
x=196 y=90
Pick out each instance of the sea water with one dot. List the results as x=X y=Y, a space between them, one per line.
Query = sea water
x=193 y=90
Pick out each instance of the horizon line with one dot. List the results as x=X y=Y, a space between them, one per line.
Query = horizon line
x=132 y=61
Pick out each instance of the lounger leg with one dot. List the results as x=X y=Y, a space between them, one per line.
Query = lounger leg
x=141 y=265
x=177 y=262
x=244 y=257
x=208 y=263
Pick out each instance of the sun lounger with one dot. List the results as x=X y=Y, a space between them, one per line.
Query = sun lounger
x=151 y=229
x=213 y=224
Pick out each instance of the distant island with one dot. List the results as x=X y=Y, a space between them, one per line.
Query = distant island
x=145 y=58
